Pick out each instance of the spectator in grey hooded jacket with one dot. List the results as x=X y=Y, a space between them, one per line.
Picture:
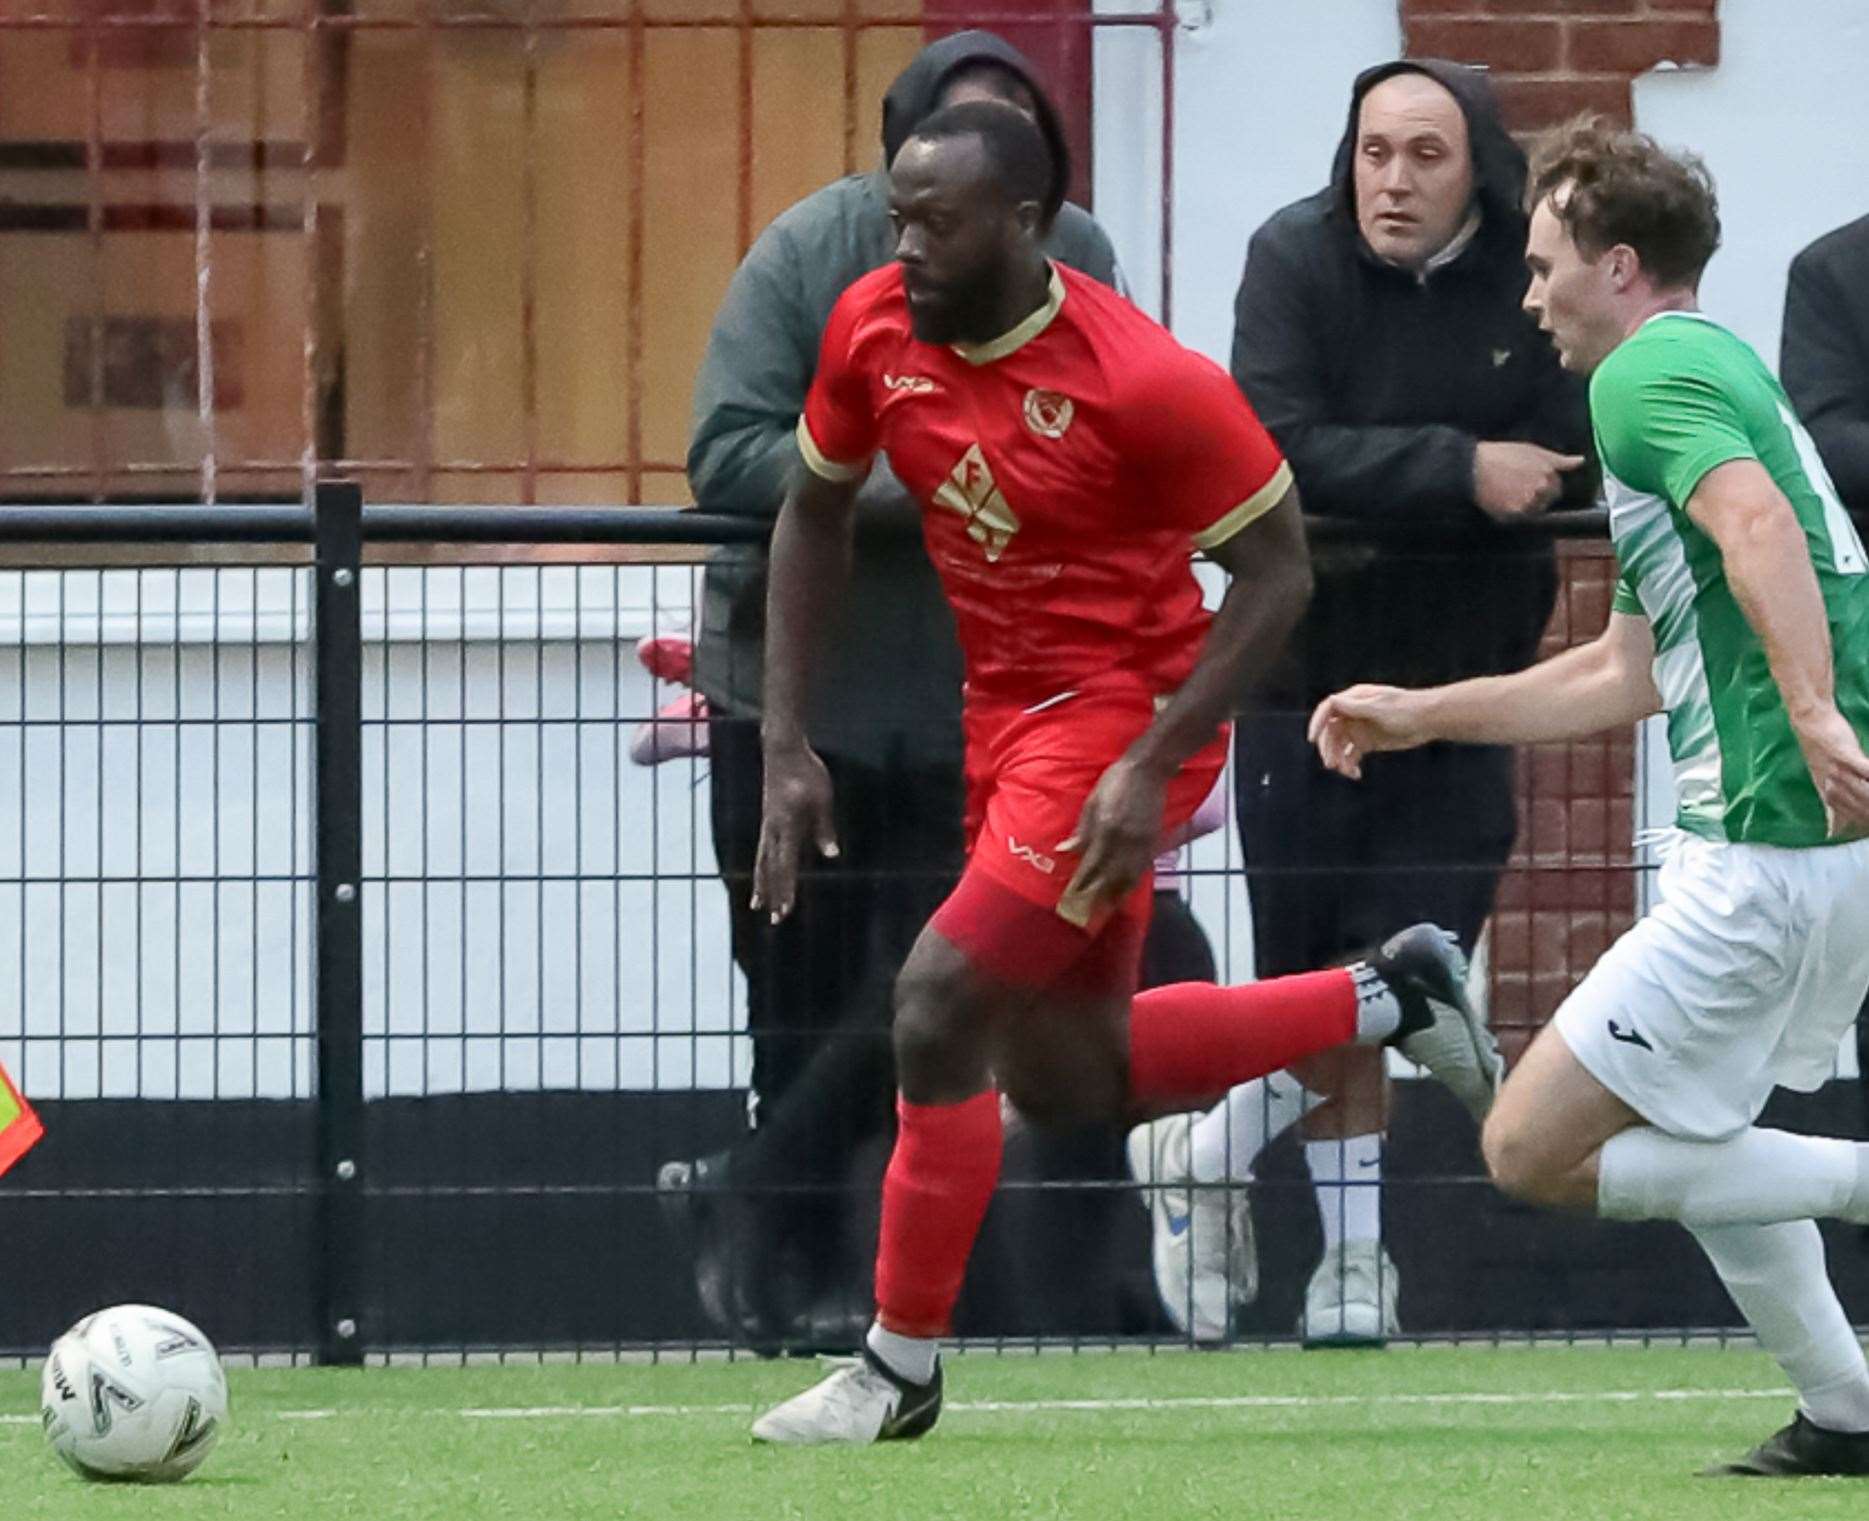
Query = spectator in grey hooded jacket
x=887 y=721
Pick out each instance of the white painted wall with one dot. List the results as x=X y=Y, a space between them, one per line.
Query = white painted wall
x=1783 y=123
x=538 y=911
x=1262 y=92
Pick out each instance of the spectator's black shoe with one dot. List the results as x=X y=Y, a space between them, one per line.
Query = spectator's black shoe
x=1800 y=1448
x=714 y=1221
x=1440 y=1030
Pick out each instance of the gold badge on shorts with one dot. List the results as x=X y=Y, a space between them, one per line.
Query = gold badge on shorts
x=1047 y=413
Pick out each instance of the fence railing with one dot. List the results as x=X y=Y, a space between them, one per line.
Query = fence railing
x=365 y=986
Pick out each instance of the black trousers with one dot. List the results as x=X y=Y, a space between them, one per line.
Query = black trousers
x=901 y=849
x=1336 y=865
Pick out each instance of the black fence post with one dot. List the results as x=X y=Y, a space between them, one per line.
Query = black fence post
x=338 y=957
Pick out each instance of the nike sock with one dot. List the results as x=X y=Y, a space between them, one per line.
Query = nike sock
x=1191 y=1040
x=909 y=1357
x=1224 y=1142
x=940 y=1180
x=1775 y=1274
x=1346 y=1175
x=1757 y=1178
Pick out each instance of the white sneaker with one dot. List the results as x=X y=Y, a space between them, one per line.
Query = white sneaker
x=861 y=1401
x=1350 y=1301
x=1201 y=1242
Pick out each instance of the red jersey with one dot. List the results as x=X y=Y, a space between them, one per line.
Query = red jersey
x=1067 y=472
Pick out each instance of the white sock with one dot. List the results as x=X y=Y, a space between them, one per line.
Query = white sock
x=1347 y=1177
x=909 y=1357
x=1378 y=1010
x=1775 y=1274
x=1224 y=1142
x=1757 y=1178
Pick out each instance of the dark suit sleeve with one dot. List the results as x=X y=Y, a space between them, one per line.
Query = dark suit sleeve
x=1344 y=469
x=1826 y=373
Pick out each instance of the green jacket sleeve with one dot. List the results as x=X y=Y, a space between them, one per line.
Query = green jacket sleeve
x=751 y=387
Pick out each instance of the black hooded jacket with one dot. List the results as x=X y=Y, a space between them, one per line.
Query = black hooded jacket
x=1378 y=383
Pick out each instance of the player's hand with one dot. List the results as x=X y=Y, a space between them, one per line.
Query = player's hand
x=1118 y=832
x=795 y=809
x=1841 y=771
x=1515 y=480
x=1363 y=720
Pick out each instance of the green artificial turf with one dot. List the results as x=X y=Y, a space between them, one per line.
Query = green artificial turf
x=1513 y=1434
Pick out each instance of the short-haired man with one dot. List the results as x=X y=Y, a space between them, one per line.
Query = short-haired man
x=1378 y=334
x=1070 y=457
x=770 y=1215
x=1742 y=611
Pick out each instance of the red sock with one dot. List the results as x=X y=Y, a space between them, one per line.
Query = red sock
x=935 y=1193
x=1192 y=1040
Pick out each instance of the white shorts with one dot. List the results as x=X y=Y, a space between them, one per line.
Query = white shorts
x=1743 y=978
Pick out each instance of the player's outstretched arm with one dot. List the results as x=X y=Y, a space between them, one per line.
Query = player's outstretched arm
x=1270 y=569
x=810 y=568
x=1601 y=685
x=1767 y=562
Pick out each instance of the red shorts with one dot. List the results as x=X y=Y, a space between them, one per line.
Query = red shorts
x=1029 y=772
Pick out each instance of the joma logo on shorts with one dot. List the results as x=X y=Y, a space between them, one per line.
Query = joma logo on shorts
x=1031 y=857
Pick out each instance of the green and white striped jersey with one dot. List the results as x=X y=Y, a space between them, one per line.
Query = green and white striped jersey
x=1680 y=396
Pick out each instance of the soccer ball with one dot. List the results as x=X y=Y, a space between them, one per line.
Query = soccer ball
x=133 y=1393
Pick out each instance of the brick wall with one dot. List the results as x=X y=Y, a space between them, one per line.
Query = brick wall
x=1571 y=887
x=1554 y=58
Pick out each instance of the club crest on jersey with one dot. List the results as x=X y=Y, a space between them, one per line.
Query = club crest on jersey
x=1047 y=413
x=971 y=491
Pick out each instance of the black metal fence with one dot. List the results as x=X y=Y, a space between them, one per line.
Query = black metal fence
x=367 y=988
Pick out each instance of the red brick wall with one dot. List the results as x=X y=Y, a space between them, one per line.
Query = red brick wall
x=1554 y=58
x=1571 y=887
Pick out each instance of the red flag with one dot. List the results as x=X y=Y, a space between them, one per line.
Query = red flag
x=19 y=1126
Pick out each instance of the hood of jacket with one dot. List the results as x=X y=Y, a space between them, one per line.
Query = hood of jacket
x=1498 y=162
x=918 y=88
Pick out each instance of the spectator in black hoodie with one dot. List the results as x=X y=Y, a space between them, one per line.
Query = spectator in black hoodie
x=1379 y=335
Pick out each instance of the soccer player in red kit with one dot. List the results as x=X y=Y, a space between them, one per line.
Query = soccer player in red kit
x=1070 y=457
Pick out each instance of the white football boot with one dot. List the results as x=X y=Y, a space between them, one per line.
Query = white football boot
x=861 y=1400
x=1441 y=1030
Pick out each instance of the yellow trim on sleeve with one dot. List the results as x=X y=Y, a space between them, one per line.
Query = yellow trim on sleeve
x=1257 y=505
x=821 y=466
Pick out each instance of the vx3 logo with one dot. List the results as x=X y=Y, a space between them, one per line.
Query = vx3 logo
x=1031 y=857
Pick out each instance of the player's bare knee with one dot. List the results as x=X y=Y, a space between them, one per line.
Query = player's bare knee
x=1517 y=1166
x=938 y=1042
